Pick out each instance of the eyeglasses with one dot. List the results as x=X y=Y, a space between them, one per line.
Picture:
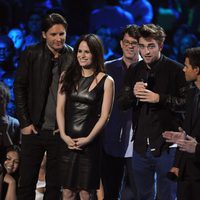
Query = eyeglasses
x=127 y=43
x=149 y=47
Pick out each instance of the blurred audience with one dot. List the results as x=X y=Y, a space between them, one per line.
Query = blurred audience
x=167 y=15
x=109 y=42
x=141 y=10
x=187 y=41
x=17 y=36
x=110 y=15
x=6 y=54
x=34 y=29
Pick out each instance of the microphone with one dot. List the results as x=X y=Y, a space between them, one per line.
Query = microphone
x=137 y=100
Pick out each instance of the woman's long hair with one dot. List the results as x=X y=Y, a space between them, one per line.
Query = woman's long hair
x=72 y=76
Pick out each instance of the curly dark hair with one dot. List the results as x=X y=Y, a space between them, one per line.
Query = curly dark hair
x=194 y=56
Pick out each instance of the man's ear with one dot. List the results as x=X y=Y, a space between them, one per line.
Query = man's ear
x=161 y=46
x=43 y=34
x=198 y=70
x=121 y=43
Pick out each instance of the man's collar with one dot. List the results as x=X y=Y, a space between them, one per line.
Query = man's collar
x=155 y=63
x=63 y=50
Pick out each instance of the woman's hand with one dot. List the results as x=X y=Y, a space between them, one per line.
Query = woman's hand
x=11 y=191
x=81 y=142
x=9 y=179
x=71 y=143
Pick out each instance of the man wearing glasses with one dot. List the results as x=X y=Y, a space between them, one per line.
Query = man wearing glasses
x=117 y=144
x=154 y=89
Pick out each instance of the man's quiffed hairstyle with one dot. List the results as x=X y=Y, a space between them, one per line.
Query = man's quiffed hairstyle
x=53 y=19
x=152 y=31
x=194 y=56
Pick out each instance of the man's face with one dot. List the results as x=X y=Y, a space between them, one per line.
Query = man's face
x=5 y=52
x=17 y=37
x=190 y=73
x=34 y=23
x=55 y=37
x=129 y=46
x=149 y=49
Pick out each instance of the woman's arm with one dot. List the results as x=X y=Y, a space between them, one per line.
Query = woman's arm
x=11 y=192
x=107 y=103
x=60 y=114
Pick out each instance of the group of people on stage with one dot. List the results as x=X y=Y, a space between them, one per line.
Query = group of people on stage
x=133 y=118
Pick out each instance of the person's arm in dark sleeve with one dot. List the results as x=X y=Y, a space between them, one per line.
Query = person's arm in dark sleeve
x=21 y=85
x=126 y=99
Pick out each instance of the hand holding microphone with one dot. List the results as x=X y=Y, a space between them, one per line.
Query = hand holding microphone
x=143 y=94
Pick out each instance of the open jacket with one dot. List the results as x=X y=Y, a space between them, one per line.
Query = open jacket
x=165 y=78
x=189 y=163
x=32 y=81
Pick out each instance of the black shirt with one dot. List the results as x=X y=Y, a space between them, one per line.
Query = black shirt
x=166 y=78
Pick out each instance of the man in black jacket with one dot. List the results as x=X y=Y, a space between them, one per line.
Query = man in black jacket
x=153 y=89
x=187 y=165
x=117 y=144
x=35 y=89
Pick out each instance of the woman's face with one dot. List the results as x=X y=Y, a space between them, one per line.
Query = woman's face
x=84 y=56
x=11 y=163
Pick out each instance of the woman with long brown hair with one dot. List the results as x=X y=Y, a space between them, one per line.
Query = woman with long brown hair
x=84 y=104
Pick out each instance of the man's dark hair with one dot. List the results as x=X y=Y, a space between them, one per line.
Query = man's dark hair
x=5 y=92
x=53 y=19
x=152 y=31
x=194 y=56
x=131 y=30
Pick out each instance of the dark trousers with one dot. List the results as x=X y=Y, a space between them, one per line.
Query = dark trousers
x=33 y=149
x=188 y=190
x=145 y=167
x=113 y=171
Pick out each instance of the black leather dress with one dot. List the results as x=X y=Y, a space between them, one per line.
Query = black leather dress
x=81 y=169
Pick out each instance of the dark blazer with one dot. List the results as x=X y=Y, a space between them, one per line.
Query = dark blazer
x=189 y=164
x=117 y=130
x=32 y=81
x=165 y=78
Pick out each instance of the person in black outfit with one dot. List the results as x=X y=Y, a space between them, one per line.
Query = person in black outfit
x=85 y=99
x=35 y=89
x=187 y=163
x=154 y=89
x=117 y=144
